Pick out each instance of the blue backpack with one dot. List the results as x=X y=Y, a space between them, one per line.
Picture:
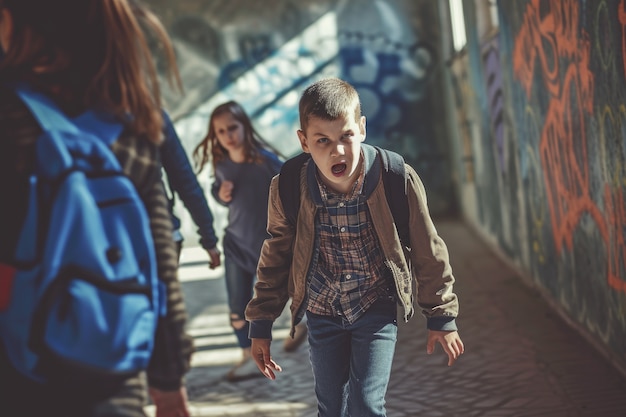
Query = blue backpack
x=82 y=298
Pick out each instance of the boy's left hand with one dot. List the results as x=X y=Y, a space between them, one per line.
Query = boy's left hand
x=450 y=341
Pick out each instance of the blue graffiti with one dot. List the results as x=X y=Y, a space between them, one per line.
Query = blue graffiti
x=390 y=95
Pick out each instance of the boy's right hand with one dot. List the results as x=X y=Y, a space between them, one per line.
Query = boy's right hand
x=261 y=354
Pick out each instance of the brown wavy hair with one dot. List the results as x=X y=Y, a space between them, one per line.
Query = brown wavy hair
x=91 y=53
x=210 y=149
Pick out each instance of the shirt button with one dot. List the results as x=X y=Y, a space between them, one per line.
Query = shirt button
x=348 y=276
x=343 y=229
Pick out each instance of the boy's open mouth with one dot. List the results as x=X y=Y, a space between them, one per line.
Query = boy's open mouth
x=338 y=169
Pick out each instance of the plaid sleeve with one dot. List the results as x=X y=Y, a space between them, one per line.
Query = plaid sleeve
x=173 y=347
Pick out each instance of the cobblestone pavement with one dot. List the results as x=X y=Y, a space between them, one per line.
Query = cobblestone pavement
x=521 y=359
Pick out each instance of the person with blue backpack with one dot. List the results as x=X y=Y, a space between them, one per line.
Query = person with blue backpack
x=92 y=317
x=334 y=251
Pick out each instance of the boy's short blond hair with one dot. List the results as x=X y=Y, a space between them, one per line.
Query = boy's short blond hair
x=329 y=99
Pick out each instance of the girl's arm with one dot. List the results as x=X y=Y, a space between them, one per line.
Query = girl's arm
x=173 y=347
x=183 y=182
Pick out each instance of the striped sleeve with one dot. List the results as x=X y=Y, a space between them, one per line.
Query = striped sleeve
x=173 y=347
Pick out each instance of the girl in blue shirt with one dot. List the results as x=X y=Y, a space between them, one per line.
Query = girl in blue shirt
x=243 y=168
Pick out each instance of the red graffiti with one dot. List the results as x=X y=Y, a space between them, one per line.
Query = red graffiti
x=551 y=40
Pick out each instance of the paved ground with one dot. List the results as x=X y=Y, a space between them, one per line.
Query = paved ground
x=520 y=360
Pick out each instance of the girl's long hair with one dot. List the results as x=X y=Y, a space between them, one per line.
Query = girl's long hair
x=210 y=149
x=91 y=53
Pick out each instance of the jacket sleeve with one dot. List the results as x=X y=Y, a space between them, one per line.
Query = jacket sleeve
x=430 y=261
x=184 y=183
x=271 y=289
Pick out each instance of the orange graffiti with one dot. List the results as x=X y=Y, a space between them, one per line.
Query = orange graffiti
x=547 y=39
x=621 y=16
x=617 y=244
x=566 y=173
x=552 y=41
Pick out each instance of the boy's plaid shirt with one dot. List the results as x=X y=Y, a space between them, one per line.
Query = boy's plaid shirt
x=350 y=274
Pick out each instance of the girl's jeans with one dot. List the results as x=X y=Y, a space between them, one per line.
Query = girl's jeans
x=240 y=288
x=352 y=362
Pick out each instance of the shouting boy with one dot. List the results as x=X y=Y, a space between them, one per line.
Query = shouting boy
x=343 y=265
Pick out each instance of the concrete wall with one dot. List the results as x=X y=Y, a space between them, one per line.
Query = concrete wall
x=539 y=145
x=264 y=53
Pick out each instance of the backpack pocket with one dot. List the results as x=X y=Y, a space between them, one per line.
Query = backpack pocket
x=88 y=310
x=86 y=326
x=97 y=316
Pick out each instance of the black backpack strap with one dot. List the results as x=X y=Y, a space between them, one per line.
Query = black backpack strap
x=394 y=180
x=289 y=186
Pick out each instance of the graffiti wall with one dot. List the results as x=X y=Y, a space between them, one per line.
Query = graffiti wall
x=552 y=87
x=263 y=54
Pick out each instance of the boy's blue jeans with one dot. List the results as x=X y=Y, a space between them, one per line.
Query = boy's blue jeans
x=352 y=362
x=240 y=288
